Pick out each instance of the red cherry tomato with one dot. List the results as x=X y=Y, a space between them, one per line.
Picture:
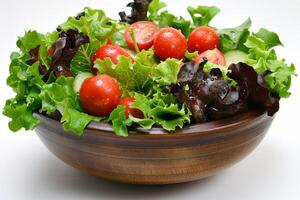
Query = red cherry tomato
x=49 y=52
x=215 y=56
x=127 y=102
x=170 y=43
x=109 y=51
x=144 y=33
x=203 y=38
x=99 y=95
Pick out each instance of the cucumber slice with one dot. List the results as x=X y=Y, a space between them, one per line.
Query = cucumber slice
x=234 y=57
x=79 y=80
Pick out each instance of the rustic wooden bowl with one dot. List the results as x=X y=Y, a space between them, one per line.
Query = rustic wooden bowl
x=157 y=157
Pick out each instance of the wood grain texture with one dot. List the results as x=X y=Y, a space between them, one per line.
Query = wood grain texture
x=157 y=157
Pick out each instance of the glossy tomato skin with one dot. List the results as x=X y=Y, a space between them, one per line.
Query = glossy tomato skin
x=99 y=95
x=169 y=43
x=144 y=32
x=111 y=51
x=203 y=38
x=215 y=56
x=126 y=103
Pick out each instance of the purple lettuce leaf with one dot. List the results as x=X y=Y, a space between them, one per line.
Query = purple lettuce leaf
x=210 y=97
x=139 y=9
x=64 y=49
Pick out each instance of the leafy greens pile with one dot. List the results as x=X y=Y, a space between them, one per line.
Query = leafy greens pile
x=42 y=72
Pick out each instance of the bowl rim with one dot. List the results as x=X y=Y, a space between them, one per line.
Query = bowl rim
x=250 y=117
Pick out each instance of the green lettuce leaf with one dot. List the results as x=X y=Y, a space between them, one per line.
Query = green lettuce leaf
x=263 y=58
x=29 y=41
x=98 y=27
x=234 y=38
x=140 y=75
x=190 y=56
x=166 y=72
x=94 y=24
x=170 y=117
x=270 y=38
x=131 y=77
x=166 y=19
x=155 y=7
x=145 y=123
x=75 y=121
x=26 y=82
x=163 y=109
x=21 y=116
x=202 y=15
x=118 y=119
x=33 y=39
x=60 y=96
x=82 y=60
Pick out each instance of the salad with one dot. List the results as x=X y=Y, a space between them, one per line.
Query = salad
x=151 y=68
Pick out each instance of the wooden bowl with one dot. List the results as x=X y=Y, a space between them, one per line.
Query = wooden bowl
x=157 y=157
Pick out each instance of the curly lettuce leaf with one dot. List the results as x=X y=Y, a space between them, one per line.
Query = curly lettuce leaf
x=95 y=24
x=32 y=40
x=163 y=109
x=21 y=116
x=140 y=75
x=190 y=56
x=61 y=96
x=263 y=58
x=131 y=77
x=120 y=123
x=234 y=38
x=145 y=123
x=29 y=41
x=202 y=15
x=170 y=117
x=166 y=19
x=118 y=119
x=75 y=121
x=99 y=28
x=166 y=72
x=26 y=82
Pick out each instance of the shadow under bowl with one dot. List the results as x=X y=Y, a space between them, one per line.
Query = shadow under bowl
x=156 y=156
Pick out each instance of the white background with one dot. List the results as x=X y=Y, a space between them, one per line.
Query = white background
x=29 y=171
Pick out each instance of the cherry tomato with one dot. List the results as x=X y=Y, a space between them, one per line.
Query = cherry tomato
x=99 y=95
x=215 y=56
x=49 y=52
x=203 y=38
x=109 y=51
x=127 y=102
x=144 y=33
x=169 y=43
